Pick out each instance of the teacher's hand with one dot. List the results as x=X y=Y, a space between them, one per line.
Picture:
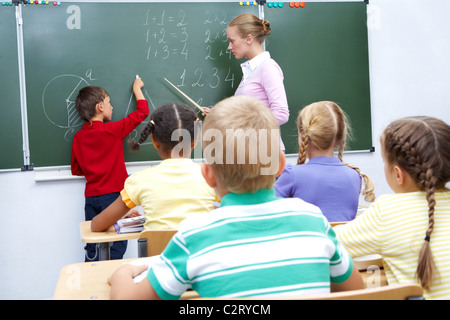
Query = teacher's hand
x=206 y=110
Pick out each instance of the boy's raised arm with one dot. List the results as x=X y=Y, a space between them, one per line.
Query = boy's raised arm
x=137 y=88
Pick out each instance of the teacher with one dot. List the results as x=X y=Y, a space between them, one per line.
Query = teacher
x=262 y=76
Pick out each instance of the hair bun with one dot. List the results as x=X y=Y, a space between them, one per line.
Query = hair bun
x=266 y=27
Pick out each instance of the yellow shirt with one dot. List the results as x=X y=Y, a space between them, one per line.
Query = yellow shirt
x=169 y=192
x=394 y=226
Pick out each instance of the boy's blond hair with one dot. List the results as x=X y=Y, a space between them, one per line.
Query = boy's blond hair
x=241 y=142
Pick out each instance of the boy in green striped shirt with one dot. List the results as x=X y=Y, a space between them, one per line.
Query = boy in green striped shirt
x=256 y=244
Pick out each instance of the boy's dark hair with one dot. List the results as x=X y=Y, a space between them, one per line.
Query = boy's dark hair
x=164 y=121
x=87 y=99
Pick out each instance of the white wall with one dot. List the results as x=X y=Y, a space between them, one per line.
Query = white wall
x=409 y=64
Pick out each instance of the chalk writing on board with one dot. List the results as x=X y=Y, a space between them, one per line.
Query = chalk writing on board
x=163 y=44
x=58 y=102
x=167 y=36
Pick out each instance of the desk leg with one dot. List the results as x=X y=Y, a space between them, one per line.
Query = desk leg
x=142 y=248
x=104 y=251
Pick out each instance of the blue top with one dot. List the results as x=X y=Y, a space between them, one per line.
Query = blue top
x=325 y=182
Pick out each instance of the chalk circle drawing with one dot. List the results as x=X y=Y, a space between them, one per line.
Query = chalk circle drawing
x=58 y=102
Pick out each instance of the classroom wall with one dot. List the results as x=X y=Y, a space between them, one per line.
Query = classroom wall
x=409 y=49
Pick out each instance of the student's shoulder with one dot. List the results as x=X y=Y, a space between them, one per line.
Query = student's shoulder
x=290 y=169
x=399 y=197
x=142 y=174
x=85 y=127
x=298 y=169
x=201 y=222
x=294 y=204
x=306 y=213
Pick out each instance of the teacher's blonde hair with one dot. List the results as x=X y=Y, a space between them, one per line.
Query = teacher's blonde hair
x=248 y=23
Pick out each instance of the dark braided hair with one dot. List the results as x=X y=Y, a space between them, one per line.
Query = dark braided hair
x=163 y=125
x=421 y=146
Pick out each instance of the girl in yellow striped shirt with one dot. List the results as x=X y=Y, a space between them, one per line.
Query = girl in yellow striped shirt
x=411 y=228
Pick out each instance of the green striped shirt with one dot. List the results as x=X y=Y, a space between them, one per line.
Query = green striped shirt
x=255 y=245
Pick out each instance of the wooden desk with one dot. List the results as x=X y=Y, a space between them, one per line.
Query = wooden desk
x=88 y=281
x=371 y=269
x=365 y=262
x=104 y=238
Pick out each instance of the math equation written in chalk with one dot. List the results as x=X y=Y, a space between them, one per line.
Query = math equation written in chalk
x=167 y=36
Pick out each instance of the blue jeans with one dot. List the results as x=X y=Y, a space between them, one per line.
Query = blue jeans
x=93 y=206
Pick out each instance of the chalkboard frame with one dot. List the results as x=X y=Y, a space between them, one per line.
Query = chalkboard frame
x=11 y=154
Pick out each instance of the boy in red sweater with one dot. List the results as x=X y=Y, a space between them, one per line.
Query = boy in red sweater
x=97 y=153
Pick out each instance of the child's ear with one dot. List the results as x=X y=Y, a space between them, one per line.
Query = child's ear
x=99 y=107
x=282 y=163
x=399 y=175
x=403 y=179
x=208 y=174
x=155 y=142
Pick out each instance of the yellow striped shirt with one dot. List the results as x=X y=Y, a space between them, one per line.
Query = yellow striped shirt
x=394 y=226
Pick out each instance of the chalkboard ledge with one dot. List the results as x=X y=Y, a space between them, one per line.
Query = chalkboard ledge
x=54 y=174
x=58 y=173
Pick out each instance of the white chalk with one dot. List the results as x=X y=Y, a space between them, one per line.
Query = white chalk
x=137 y=76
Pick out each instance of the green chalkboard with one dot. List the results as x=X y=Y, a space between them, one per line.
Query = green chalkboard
x=11 y=154
x=106 y=44
x=323 y=51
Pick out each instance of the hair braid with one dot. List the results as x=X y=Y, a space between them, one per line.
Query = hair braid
x=303 y=150
x=420 y=145
x=368 y=191
x=149 y=128
x=426 y=267
x=369 y=187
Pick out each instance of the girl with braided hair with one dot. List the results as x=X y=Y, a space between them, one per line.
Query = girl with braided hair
x=411 y=228
x=171 y=190
x=325 y=180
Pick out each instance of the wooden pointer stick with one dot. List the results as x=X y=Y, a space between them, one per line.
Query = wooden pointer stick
x=192 y=101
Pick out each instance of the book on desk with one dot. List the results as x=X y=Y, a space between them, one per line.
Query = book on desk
x=127 y=225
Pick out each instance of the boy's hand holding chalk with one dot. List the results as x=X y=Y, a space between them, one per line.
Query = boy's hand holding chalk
x=137 y=88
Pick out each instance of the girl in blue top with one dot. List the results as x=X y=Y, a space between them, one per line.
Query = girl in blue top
x=325 y=180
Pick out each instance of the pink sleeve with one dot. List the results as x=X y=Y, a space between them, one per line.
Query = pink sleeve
x=272 y=76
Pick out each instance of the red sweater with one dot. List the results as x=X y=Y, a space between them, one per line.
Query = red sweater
x=97 y=152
